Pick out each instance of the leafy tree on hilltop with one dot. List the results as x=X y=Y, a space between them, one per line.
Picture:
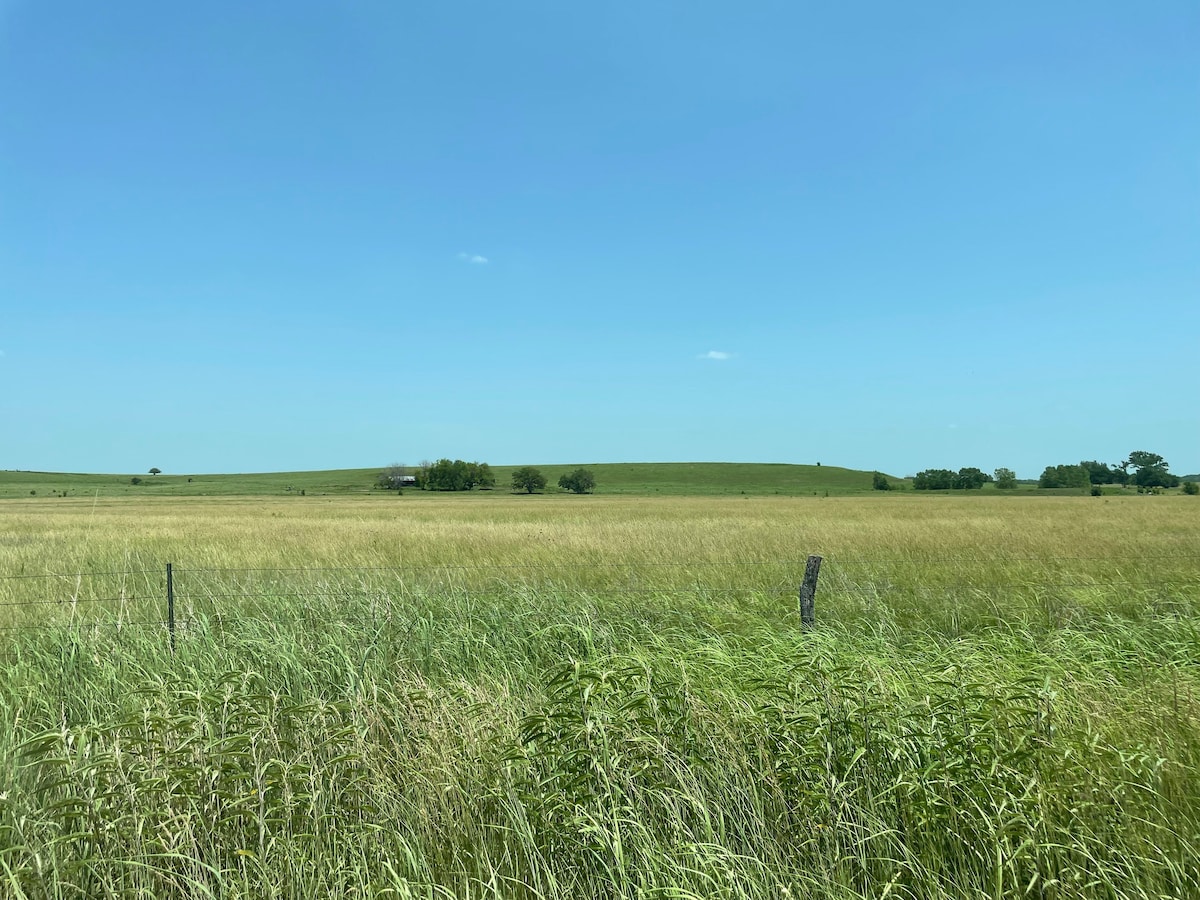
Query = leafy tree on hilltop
x=581 y=481
x=528 y=479
x=156 y=471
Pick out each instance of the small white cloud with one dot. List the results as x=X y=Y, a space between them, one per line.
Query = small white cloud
x=473 y=258
x=716 y=354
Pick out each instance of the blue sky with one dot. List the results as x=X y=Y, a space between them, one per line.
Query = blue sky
x=268 y=236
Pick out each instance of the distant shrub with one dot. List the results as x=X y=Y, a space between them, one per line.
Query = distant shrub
x=1097 y=491
x=879 y=482
x=135 y=480
x=1190 y=487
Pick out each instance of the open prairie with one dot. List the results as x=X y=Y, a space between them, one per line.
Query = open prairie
x=560 y=696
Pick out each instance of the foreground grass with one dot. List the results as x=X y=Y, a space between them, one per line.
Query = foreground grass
x=508 y=701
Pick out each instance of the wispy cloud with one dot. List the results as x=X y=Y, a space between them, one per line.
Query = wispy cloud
x=716 y=354
x=473 y=258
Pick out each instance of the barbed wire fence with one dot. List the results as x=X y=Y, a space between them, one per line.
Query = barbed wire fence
x=172 y=600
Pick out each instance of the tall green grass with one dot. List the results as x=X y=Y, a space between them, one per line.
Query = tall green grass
x=991 y=706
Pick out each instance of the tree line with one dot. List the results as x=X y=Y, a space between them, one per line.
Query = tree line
x=460 y=475
x=1149 y=471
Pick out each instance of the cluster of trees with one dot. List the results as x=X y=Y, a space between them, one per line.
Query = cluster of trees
x=529 y=479
x=581 y=481
x=1150 y=470
x=458 y=475
x=965 y=479
x=455 y=475
x=443 y=475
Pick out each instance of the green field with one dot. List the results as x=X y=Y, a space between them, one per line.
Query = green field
x=491 y=695
x=669 y=479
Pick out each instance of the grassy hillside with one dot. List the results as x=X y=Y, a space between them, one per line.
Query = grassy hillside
x=662 y=479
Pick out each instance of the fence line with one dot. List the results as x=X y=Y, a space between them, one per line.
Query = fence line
x=593 y=565
x=207 y=595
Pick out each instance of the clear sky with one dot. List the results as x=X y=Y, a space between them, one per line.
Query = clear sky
x=274 y=236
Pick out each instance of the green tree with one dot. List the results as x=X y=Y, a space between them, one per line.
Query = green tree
x=485 y=478
x=1155 y=476
x=1006 y=479
x=581 y=481
x=971 y=479
x=879 y=482
x=934 y=480
x=1139 y=459
x=528 y=479
x=156 y=471
x=1064 y=477
x=1151 y=470
x=1190 y=487
x=1098 y=472
x=455 y=475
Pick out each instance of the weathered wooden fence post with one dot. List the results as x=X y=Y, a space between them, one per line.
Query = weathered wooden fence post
x=171 y=607
x=808 y=593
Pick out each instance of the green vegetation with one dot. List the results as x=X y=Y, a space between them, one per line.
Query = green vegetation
x=965 y=479
x=879 y=482
x=1064 y=477
x=456 y=475
x=658 y=479
x=581 y=481
x=503 y=699
x=1006 y=479
x=528 y=479
x=1152 y=470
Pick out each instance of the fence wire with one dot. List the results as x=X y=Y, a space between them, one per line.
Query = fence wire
x=44 y=602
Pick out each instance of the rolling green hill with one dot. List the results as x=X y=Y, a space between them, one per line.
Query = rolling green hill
x=649 y=479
